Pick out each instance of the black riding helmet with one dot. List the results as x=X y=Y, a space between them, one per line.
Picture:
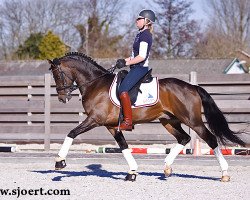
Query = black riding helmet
x=148 y=14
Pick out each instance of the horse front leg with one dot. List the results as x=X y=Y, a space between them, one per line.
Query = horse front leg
x=127 y=153
x=85 y=126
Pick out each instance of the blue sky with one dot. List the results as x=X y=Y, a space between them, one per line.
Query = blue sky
x=135 y=5
x=198 y=7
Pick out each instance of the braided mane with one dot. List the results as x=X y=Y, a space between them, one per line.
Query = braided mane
x=83 y=58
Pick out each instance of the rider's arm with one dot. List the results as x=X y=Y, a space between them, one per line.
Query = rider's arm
x=139 y=58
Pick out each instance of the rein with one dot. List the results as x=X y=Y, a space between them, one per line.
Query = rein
x=110 y=71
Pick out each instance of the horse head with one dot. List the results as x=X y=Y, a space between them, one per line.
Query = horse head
x=75 y=67
x=64 y=80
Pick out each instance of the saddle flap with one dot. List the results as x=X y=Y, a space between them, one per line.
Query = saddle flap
x=148 y=96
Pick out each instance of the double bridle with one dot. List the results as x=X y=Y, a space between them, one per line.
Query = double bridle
x=73 y=87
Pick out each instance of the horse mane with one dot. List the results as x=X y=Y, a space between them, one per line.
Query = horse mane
x=83 y=58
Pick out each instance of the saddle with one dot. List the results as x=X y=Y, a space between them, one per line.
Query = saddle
x=133 y=93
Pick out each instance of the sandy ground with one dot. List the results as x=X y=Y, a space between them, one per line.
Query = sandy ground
x=97 y=180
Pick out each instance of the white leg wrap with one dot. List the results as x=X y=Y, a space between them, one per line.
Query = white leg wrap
x=65 y=147
x=174 y=152
x=130 y=159
x=221 y=159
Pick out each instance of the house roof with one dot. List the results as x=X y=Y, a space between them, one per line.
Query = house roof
x=185 y=66
x=171 y=66
x=235 y=63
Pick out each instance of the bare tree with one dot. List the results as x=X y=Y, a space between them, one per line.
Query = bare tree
x=176 y=32
x=99 y=35
x=11 y=15
x=3 y=52
x=20 y=18
x=74 y=21
x=231 y=17
x=228 y=29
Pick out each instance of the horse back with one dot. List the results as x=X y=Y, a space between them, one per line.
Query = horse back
x=179 y=97
x=175 y=83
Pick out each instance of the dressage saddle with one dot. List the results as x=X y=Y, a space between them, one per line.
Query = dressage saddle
x=133 y=93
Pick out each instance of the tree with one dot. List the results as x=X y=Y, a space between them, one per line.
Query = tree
x=20 y=18
x=3 y=51
x=11 y=13
x=176 y=33
x=51 y=46
x=98 y=38
x=227 y=30
x=74 y=21
x=30 y=48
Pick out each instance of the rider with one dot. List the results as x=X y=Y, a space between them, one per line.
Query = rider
x=138 y=62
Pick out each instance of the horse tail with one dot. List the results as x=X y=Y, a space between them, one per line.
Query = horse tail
x=216 y=120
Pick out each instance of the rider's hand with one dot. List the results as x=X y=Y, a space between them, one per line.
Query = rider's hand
x=120 y=63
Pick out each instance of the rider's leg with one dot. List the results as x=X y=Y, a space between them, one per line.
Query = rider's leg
x=134 y=75
x=127 y=111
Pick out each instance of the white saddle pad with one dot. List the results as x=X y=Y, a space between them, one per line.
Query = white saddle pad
x=148 y=97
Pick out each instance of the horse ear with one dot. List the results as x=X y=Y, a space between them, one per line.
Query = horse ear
x=50 y=61
x=56 y=61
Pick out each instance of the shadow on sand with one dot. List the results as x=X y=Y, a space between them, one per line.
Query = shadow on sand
x=96 y=170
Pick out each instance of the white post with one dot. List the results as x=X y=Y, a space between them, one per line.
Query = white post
x=29 y=122
x=47 y=112
x=193 y=81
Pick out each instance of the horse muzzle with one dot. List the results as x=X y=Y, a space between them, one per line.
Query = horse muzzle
x=64 y=98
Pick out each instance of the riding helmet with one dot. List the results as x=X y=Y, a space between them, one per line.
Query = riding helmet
x=148 y=14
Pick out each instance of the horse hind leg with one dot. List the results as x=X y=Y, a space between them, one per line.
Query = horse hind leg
x=211 y=140
x=173 y=126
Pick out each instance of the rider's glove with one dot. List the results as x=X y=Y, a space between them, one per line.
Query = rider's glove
x=120 y=63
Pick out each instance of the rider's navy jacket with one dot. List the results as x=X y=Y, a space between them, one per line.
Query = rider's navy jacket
x=143 y=36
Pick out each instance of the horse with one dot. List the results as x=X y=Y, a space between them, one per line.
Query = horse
x=179 y=103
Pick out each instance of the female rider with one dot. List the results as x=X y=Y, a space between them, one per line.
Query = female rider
x=138 y=64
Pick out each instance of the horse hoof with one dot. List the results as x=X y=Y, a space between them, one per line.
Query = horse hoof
x=168 y=171
x=225 y=178
x=60 y=165
x=131 y=176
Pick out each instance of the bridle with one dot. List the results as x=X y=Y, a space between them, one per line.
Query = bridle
x=72 y=87
x=63 y=76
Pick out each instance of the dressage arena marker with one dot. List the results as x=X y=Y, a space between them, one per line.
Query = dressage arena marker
x=7 y=149
x=233 y=151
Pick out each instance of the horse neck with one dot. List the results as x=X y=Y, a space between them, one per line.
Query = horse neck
x=87 y=76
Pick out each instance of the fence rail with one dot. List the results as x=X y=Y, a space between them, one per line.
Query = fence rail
x=30 y=111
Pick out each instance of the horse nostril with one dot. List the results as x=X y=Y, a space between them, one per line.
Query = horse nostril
x=61 y=99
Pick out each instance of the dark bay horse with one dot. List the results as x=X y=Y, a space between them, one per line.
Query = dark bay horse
x=179 y=102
